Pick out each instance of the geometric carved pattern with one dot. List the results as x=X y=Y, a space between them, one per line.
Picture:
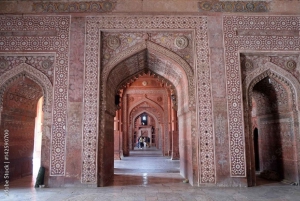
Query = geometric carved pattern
x=235 y=43
x=57 y=43
x=165 y=39
x=71 y=7
x=198 y=24
x=234 y=6
x=42 y=62
x=206 y=138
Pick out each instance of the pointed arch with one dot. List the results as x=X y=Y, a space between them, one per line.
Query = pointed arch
x=187 y=86
x=292 y=86
x=26 y=70
x=153 y=104
x=145 y=100
x=151 y=47
x=274 y=71
x=145 y=111
x=158 y=123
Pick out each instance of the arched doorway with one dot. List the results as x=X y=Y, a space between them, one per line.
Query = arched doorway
x=271 y=125
x=145 y=125
x=25 y=102
x=21 y=117
x=113 y=77
x=148 y=97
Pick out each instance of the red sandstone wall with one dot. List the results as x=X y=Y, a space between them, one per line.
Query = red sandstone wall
x=221 y=57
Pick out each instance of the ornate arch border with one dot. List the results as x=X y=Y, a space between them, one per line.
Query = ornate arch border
x=235 y=42
x=26 y=70
x=201 y=126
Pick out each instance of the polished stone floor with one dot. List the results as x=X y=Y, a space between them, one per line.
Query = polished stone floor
x=147 y=175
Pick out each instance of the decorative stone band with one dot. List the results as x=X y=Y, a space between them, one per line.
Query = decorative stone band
x=234 y=6
x=66 y=7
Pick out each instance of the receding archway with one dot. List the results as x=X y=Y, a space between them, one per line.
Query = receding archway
x=152 y=128
x=168 y=66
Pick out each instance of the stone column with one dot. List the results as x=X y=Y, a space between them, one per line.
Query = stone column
x=125 y=133
x=169 y=144
x=117 y=144
x=175 y=135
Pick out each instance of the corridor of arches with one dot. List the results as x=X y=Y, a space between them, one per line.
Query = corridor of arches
x=147 y=95
x=149 y=146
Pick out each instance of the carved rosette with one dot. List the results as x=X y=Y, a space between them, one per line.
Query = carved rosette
x=3 y=64
x=46 y=64
x=291 y=65
x=248 y=65
x=181 y=42
x=113 y=42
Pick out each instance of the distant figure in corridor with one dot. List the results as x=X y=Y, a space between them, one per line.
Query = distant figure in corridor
x=141 y=142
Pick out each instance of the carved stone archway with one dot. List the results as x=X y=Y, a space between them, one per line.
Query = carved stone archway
x=25 y=70
x=292 y=86
x=194 y=127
